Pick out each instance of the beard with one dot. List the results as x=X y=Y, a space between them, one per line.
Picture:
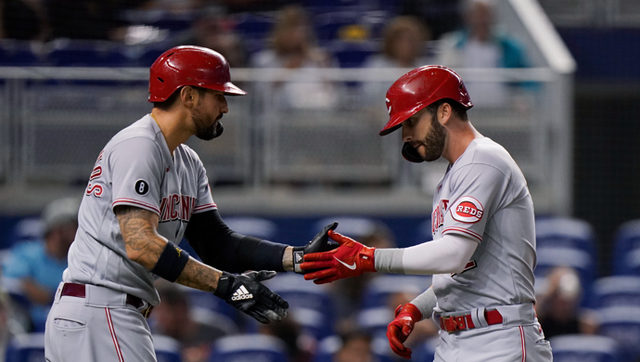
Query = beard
x=433 y=143
x=205 y=130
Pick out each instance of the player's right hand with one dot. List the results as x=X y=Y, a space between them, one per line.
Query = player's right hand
x=245 y=292
x=319 y=243
x=350 y=259
x=401 y=327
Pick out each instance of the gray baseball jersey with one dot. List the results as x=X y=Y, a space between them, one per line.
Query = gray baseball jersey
x=484 y=195
x=135 y=168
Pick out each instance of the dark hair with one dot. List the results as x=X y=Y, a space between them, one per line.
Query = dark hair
x=168 y=103
x=458 y=109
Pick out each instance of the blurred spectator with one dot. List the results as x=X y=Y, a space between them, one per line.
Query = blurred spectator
x=442 y=16
x=293 y=47
x=300 y=347
x=347 y=293
x=34 y=269
x=558 y=306
x=8 y=328
x=356 y=347
x=481 y=45
x=23 y=20
x=89 y=19
x=403 y=47
x=212 y=29
x=174 y=317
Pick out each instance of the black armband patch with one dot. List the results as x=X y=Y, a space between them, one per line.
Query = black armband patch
x=171 y=262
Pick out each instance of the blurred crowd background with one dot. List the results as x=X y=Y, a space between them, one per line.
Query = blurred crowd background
x=555 y=81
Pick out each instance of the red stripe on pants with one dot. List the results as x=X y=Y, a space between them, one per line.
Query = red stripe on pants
x=112 y=330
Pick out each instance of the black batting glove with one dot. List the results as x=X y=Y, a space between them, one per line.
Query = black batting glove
x=321 y=242
x=246 y=293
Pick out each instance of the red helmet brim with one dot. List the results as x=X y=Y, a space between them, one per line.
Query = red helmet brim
x=227 y=88
x=232 y=89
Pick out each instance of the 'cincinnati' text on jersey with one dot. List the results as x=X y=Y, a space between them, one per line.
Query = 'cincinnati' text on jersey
x=174 y=207
x=437 y=217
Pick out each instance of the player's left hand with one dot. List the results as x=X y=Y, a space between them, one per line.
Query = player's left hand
x=246 y=292
x=401 y=327
x=319 y=243
x=350 y=259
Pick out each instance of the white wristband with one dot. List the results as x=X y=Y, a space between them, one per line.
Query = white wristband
x=388 y=260
x=425 y=302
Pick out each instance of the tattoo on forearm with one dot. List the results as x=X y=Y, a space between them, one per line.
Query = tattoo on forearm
x=199 y=276
x=144 y=246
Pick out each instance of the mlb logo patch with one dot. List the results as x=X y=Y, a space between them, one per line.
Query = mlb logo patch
x=467 y=210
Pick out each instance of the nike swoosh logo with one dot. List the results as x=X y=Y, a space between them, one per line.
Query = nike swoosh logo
x=349 y=266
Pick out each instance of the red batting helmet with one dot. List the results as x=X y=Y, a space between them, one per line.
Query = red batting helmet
x=418 y=89
x=189 y=65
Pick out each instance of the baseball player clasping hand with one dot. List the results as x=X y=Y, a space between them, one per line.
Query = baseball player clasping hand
x=145 y=193
x=484 y=248
x=350 y=259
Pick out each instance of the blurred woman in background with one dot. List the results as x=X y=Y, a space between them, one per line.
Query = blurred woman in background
x=293 y=47
x=403 y=46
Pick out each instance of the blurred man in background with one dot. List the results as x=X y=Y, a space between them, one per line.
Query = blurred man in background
x=356 y=347
x=212 y=29
x=347 y=294
x=299 y=344
x=175 y=317
x=9 y=327
x=558 y=306
x=34 y=269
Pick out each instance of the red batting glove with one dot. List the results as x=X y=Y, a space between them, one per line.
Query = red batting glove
x=401 y=327
x=350 y=259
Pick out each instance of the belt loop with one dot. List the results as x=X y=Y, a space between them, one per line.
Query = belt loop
x=98 y=296
x=477 y=315
x=58 y=294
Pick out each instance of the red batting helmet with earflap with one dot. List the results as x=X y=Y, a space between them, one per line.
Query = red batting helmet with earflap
x=418 y=89
x=189 y=65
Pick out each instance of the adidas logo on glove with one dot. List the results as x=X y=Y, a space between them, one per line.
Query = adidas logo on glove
x=241 y=294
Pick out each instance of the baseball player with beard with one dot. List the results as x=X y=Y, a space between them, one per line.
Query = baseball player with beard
x=484 y=248
x=146 y=191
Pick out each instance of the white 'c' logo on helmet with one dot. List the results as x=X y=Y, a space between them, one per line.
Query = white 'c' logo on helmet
x=388 y=105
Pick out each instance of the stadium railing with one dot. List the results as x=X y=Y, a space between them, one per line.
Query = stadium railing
x=55 y=121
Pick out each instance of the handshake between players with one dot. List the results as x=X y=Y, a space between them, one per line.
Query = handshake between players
x=246 y=292
x=322 y=261
x=351 y=259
